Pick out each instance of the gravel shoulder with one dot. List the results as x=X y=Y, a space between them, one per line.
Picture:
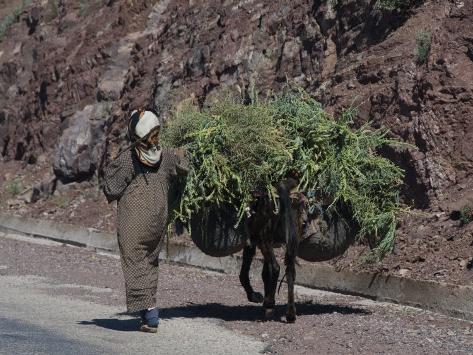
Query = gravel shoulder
x=328 y=323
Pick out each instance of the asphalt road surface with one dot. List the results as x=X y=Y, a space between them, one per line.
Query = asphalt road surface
x=57 y=299
x=35 y=322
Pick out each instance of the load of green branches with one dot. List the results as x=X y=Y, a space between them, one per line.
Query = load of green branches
x=237 y=149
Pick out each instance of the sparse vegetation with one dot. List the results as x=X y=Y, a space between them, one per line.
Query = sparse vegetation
x=424 y=42
x=61 y=201
x=9 y=20
x=391 y=5
x=466 y=215
x=333 y=3
x=53 y=9
x=86 y=7
x=14 y=187
x=83 y=6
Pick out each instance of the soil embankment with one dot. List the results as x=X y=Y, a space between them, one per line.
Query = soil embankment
x=70 y=70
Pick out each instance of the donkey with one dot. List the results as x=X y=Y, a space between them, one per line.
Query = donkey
x=292 y=227
x=311 y=236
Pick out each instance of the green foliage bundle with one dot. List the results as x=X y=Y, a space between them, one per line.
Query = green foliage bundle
x=236 y=149
x=340 y=163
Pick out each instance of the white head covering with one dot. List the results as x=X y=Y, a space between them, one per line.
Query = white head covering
x=146 y=123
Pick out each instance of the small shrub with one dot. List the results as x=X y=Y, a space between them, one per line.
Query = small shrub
x=9 y=20
x=83 y=6
x=391 y=5
x=5 y=25
x=424 y=42
x=53 y=10
x=86 y=7
x=61 y=201
x=333 y=3
x=466 y=215
x=14 y=187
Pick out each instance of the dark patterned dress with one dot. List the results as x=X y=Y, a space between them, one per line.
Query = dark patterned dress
x=143 y=202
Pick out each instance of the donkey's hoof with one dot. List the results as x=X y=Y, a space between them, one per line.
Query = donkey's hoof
x=255 y=297
x=290 y=317
x=268 y=313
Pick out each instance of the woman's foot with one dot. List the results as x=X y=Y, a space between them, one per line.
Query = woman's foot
x=149 y=320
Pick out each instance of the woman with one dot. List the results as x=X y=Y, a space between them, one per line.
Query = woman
x=140 y=179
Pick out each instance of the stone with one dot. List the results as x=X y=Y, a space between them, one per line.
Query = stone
x=17 y=49
x=111 y=84
x=12 y=91
x=351 y=86
x=404 y=272
x=30 y=196
x=113 y=81
x=155 y=23
x=469 y=263
x=47 y=187
x=14 y=202
x=77 y=152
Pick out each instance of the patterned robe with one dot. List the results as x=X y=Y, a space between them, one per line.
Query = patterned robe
x=143 y=202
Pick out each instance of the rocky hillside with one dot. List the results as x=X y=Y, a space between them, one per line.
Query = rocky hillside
x=70 y=71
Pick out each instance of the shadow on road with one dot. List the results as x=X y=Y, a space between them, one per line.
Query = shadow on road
x=123 y=325
x=250 y=312
x=223 y=312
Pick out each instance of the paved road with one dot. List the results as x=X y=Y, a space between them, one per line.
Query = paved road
x=38 y=315
x=34 y=321
x=56 y=299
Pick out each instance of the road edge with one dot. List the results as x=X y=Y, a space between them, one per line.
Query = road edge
x=448 y=299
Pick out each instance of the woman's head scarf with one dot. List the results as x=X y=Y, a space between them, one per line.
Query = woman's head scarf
x=140 y=125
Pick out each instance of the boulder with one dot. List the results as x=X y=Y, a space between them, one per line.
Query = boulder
x=77 y=152
x=112 y=82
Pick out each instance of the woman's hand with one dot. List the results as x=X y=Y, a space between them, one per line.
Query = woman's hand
x=181 y=152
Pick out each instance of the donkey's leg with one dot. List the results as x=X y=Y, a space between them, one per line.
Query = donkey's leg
x=248 y=254
x=270 y=279
x=291 y=278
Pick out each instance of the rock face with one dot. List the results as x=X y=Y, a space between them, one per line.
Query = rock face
x=78 y=150
x=112 y=81
x=131 y=54
x=70 y=72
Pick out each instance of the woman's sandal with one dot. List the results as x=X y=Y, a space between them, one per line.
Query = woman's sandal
x=149 y=320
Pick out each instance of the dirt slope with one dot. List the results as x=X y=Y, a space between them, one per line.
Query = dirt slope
x=70 y=71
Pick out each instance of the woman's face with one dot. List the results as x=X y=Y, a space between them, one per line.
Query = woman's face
x=152 y=139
